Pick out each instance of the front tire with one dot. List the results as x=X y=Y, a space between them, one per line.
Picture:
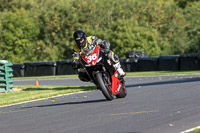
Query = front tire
x=123 y=92
x=107 y=92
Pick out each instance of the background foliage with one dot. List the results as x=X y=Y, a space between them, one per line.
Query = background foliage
x=41 y=30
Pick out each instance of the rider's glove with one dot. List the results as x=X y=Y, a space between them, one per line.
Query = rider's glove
x=106 y=51
x=76 y=64
x=106 y=46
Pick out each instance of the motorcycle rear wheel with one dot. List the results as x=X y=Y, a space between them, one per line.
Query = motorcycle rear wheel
x=107 y=92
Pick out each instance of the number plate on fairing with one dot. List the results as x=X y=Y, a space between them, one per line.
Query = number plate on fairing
x=92 y=58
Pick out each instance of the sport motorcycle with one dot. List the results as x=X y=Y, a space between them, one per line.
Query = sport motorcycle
x=99 y=70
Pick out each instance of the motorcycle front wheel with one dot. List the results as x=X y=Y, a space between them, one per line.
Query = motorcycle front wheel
x=107 y=92
x=123 y=92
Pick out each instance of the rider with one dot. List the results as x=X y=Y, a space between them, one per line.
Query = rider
x=83 y=42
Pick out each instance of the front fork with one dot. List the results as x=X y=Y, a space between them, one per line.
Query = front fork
x=105 y=76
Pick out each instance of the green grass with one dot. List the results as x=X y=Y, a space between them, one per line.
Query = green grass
x=46 y=77
x=152 y=73
x=195 y=131
x=155 y=73
x=30 y=92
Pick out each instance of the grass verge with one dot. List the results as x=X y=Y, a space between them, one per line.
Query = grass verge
x=46 y=77
x=30 y=92
x=195 y=131
x=156 y=73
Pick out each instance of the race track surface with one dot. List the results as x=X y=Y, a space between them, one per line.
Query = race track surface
x=155 y=104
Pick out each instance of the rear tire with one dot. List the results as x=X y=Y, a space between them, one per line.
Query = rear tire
x=107 y=92
x=123 y=92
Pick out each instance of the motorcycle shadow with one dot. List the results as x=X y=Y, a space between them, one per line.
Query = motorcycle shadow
x=68 y=103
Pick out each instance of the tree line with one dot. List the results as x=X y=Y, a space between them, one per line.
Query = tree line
x=42 y=30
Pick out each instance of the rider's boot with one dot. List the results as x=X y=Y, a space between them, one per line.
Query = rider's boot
x=119 y=69
x=115 y=59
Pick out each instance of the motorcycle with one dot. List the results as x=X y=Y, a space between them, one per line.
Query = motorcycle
x=99 y=71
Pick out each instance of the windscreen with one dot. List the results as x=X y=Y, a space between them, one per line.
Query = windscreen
x=89 y=50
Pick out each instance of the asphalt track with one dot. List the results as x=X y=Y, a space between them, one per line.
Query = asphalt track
x=160 y=104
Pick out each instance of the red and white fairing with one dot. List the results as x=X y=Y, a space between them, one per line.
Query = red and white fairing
x=92 y=58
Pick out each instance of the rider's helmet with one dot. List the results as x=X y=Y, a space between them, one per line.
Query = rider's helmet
x=80 y=38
